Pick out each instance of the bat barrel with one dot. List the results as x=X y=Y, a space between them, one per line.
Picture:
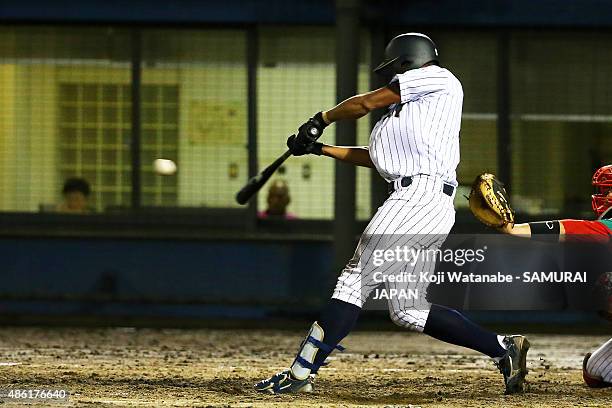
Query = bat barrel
x=256 y=183
x=243 y=196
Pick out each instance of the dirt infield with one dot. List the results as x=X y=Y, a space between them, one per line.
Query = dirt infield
x=127 y=367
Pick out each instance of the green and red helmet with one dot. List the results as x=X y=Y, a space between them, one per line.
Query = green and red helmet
x=601 y=201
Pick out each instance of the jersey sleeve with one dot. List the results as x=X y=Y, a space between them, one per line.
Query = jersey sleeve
x=418 y=83
x=583 y=230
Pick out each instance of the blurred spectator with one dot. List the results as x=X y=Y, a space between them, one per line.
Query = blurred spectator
x=278 y=201
x=76 y=194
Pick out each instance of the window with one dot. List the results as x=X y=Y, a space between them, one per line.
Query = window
x=296 y=78
x=94 y=127
x=561 y=123
x=160 y=130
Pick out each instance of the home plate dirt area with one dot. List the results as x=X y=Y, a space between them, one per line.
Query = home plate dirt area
x=128 y=367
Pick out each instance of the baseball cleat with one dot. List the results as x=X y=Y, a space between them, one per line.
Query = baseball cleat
x=514 y=364
x=590 y=380
x=284 y=383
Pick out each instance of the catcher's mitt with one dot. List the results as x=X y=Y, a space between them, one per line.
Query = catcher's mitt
x=489 y=201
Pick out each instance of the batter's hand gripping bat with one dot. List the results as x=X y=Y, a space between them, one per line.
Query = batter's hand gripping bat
x=257 y=182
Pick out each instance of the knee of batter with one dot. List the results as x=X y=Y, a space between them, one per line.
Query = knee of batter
x=409 y=318
x=349 y=288
x=353 y=287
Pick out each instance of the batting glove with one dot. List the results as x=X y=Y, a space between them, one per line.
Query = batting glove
x=312 y=129
x=300 y=149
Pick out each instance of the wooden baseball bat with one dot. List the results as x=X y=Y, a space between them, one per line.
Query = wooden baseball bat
x=257 y=182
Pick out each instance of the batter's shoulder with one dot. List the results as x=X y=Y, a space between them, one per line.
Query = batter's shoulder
x=427 y=82
x=453 y=80
x=431 y=75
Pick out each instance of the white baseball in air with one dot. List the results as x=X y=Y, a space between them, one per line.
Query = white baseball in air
x=164 y=167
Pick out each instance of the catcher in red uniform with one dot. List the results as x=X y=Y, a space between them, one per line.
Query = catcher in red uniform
x=490 y=204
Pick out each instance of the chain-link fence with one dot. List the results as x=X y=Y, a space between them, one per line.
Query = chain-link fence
x=67 y=99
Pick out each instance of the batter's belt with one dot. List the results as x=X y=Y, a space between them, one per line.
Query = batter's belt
x=406 y=181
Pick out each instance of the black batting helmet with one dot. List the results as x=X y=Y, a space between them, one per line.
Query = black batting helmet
x=407 y=51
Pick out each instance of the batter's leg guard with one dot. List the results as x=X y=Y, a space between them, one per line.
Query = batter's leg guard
x=299 y=378
x=304 y=364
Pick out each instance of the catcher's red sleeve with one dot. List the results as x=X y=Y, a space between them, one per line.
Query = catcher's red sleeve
x=582 y=230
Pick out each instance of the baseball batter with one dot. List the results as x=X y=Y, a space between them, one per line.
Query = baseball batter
x=597 y=366
x=415 y=147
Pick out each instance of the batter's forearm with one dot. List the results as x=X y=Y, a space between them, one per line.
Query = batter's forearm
x=352 y=108
x=360 y=105
x=357 y=155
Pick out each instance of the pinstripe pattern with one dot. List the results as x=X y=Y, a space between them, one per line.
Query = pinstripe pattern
x=600 y=362
x=420 y=135
x=418 y=216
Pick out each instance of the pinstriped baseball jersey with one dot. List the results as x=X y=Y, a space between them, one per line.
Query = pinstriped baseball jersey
x=600 y=363
x=418 y=216
x=420 y=135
